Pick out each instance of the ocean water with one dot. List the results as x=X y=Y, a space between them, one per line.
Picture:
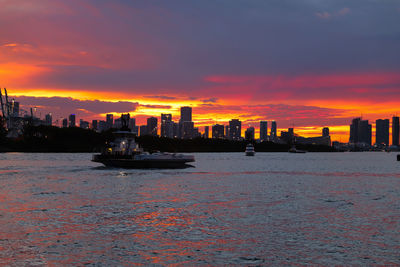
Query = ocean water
x=271 y=209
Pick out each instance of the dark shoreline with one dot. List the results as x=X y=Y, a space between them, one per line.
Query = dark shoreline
x=48 y=139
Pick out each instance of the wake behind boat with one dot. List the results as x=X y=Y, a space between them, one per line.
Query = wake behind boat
x=124 y=152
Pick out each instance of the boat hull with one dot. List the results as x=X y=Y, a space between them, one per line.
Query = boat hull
x=250 y=153
x=129 y=163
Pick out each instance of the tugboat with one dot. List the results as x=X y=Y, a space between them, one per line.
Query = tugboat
x=124 y=152
x=250 y=150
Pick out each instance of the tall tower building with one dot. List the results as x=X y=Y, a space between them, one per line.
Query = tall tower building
x=273 y=130
x=218 y=131
x=382 y=132
x=152 y=126
x=186 y=114
x=206 y=132
x=166 y=125
x=72 y=120
x=395 y=131
x=249 y=134
x=354 y=131
x=263 y=131
x=48 y=119
x=364 y=132
x=110 y=120
x=325 y=132
x=235 y=129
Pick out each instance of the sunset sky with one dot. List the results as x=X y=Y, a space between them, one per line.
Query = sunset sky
x=306 y=64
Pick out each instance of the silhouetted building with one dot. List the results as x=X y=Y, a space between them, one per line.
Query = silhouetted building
x=186 y=114
x=218 y=131
x=167 y=126
x=395 y=131
x=364 y=132
x=117 y=123
x=143 y=130
x=65 y=123
x=48 y=119
x=227 y=132
x=354 y=136
x=187 y=129
x=103 y=126
x=382 y=132
x=325 y=131
x=235 y=129
x=250 y=133
x=125 y=119
x=176 y=130
x=132 y=125
x=263 y=131
x=72 y=122
x=95 y=125
x=152 y=126
x=273 y=130
x=110 y=120
x=83 y=124
x=206 y=132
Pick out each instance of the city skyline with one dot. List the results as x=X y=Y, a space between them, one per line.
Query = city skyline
x=327 y=63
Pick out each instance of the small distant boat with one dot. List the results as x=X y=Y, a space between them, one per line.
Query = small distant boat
x=250 y=150
x=124 y=152
x=294 y=150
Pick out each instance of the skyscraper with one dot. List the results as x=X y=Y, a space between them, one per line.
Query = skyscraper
x=186 y=114
x=48 y=119
x=72 y=122
x=152 y=126
x=187 y=129
x=235 y=129
x=273 y=130
x=143 y=130
x=110 y=120
x=206 y=132
x=325 y=131
x=395 y=131
x=354 y=130
x=218 y=131
x=382 y=132
x=95 y=125
x=166 y=125
x=249 y=134
x=263 y=131
x=65 y=123
x=364 y=132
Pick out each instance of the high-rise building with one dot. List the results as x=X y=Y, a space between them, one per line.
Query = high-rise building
x=235 y=129
x=95 y=125
x=143 y=130
x=152 y=126
x=83 y=124
x=166 y=125
x=227 y=129
x=65 y=123
x=354 y=135
x=186 y=114
x=395 y=131
x=249 y=134
x=125 y=119
x=187 y=129
x=273 y=130
x=382 y=132
x=325 y=131
x=72 y=122
x=48 y=119
x=132 y=125
x=206 y=132
x=110 y=120
x=218 y=131
x=102 y=126
x=364 y=132
x=263 y=131
x=117 y=123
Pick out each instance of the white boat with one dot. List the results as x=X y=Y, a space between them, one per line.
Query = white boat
x=294 y=150
x=250 y=150
x=124 y=152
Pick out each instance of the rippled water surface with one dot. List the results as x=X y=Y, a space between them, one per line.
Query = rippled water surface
x=271 y=209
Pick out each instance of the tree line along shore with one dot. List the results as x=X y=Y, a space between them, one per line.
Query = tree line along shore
x=54 y=139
